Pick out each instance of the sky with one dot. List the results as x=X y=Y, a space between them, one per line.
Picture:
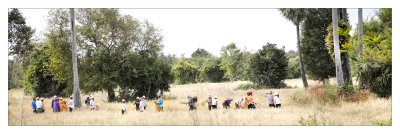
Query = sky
x=185 y=30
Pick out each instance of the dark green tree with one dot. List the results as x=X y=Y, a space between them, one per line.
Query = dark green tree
x=19 y=34
x=269 y=66
x=318 y=63
x=185 y=72
x=293 y=65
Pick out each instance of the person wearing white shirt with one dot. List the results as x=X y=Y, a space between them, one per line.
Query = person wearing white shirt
x=215 y=102
x=92 y=104
x=71 y=104
x=123 y=106
x=277 y=101
x=39 y=105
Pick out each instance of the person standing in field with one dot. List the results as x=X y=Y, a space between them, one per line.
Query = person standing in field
x=92 y=104
x=250 y=101
x=142 y=104
x=277 y=101
x=270 y=99
x=137 y=103
x=71 y=104
x=39 y=105
x=34 y=105
x=87 y=101
x=63 y=104
x=215 y=102
x=190 y=103
x=226 y=104
x=160 y=102
x=56 y=105
x=209 y=102
x=53 y=101
x=123 y=106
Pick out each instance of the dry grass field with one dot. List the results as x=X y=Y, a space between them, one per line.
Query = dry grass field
x=175 y=113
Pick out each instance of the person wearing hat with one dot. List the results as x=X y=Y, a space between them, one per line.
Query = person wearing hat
x=277 y=101
x=160 y=103
x=92 y=104
x=215 y=102
x=71 y=104
x=209 y=102
x=137 y=103
x=123 y=106
x=142 y=104
x=53 y=101
x=87 y=101
x=270 y=99
x=56 y=105
x=39 y=105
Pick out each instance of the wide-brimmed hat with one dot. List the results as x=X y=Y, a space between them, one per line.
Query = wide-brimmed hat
x=123 y=100
x=216 y=97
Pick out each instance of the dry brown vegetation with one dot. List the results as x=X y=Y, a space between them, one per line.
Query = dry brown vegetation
x=175 y=113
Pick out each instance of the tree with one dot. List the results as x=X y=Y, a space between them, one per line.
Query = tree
x=318 y=63
x=338 y=62
x=230 y=62
x=19 y=34
x=212 y=71
x=185 y=72
x=296 y=16
x=360 y=31
x=76 y=91
x=269 y=66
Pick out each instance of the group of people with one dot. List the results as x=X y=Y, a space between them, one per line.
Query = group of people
x=60 y=105
x=90 y=103
x=141 y=103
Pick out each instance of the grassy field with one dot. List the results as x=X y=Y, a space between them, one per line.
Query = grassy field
x=366 y=113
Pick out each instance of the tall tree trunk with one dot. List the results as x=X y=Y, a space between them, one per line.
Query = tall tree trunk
x=303 y=73
x=338 y=62
x=76 y=92
x=111 y=95
x=360 y=32
x=345 y=57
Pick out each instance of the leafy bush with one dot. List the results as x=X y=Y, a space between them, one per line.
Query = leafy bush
x=294 y=66
x=246 y=86
x=269 y=66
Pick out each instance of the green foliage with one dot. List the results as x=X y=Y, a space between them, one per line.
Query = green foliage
x=39 y=79
x=15 y=73
x=317 y=60
x=269 y=66
x=230 y=62
x=185 y=72
x=294 y=66
x=19 y=34
x=250 y=85
x=374 y=67
x=344 y=38
x=212 y=70
x=295 y=15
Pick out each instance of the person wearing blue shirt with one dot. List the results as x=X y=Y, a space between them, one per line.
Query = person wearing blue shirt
x=160 y=102
x=34 y=105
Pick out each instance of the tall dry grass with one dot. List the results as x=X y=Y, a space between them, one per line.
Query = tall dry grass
x=176 y=113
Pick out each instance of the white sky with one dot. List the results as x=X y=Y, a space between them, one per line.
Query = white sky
x=185 y=30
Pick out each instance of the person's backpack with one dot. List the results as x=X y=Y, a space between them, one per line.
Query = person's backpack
x=195 y=99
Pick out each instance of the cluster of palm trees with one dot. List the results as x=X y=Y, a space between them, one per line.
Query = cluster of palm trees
x=297 y=15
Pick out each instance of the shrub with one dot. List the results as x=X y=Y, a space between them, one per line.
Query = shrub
x=300 y=97
x=185 y=72
x=246 y=86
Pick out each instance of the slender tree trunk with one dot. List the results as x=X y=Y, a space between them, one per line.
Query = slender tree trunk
x=111 y=95
x=360 y=32
x=345 y=57
x=338 y=62
x=303 y=73
x=76 y=92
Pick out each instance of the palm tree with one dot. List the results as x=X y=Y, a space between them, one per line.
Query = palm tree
x=296 y=15
x=360 y=31
x=338 y=62
x=76 y=92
